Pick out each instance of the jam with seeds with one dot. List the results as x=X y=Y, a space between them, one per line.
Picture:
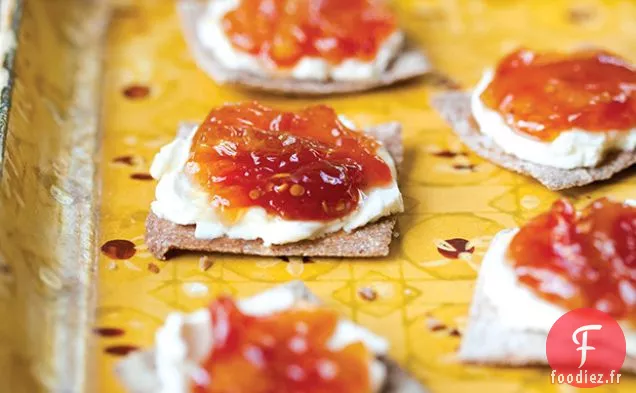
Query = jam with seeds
x=284 y=31
x=287 y=351
x=543 y=94
x=299 y=166
x=586 y=260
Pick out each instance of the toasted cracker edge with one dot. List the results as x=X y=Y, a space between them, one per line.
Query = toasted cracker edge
x=410 y=63
x=486 y=341
x=137 y=371
x=372 y=240
x=455 y=108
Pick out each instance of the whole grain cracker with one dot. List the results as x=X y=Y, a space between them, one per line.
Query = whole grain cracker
x=455 y=108
x=138 y=372
x=408 y=64
x=372 y=240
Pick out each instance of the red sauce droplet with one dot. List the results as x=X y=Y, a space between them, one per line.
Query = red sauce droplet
x=109 y=332
x=126 y=160
x=586 y=260
x=448 y=154
x=136 y=92
x=299 y=166
x=283 y=352
x=454 y=247
x=435 y=325
x=141 y=176
x=119 y=249
x=121 y=350
x=283 y=32
x=543 y=94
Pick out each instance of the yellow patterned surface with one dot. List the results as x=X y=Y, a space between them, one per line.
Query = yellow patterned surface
x=446 y=197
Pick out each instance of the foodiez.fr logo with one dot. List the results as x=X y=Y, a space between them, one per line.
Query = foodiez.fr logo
x=586 y=348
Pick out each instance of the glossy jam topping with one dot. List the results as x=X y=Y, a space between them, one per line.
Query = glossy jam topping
x=284 y=352
x=543 y=94
x=284 y=31
x=586 y=260
x=299 y=166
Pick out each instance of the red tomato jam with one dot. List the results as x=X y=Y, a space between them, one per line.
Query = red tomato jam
x=299 y=166
x=284 y=31
x=286 y=352
x=543 y=94
x=586 y=260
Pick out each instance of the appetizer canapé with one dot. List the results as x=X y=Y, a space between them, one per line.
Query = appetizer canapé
x=306 y=46
x=255 y=180
x=279 y=341
x=565 y=119
x=559 y=261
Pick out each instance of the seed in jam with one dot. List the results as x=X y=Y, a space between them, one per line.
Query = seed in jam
x=287 y=351
x=284 y=31
x=543 y=94
x=299 y=166
x=586 y=260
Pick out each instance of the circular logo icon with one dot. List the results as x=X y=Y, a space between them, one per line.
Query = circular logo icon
x=585 y=348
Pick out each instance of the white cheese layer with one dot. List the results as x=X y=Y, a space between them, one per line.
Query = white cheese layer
x=517 y=305
x=573 y=148
x=184 y=203
x=185 y=341
x=210 y=30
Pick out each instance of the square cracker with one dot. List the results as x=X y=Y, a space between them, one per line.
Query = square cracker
x=372 y=240
x=139 y=375
x=456 y=110
x=408 y=64
x=487 y=341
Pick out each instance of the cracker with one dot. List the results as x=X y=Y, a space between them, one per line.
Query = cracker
x=455 y=109
x=408 y=64
x=372 y=240
x=138 y=373
x=487 y=341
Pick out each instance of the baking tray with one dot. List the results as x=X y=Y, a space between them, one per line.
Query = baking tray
x=99 y=86
x=48 y=191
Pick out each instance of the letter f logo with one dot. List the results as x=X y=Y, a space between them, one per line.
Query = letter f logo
x=583 y=344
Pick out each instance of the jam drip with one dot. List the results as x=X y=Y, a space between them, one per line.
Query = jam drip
x=587 y=260
x=284 y=31
x=283 y=352
x=543 y=94
x=299 y=166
